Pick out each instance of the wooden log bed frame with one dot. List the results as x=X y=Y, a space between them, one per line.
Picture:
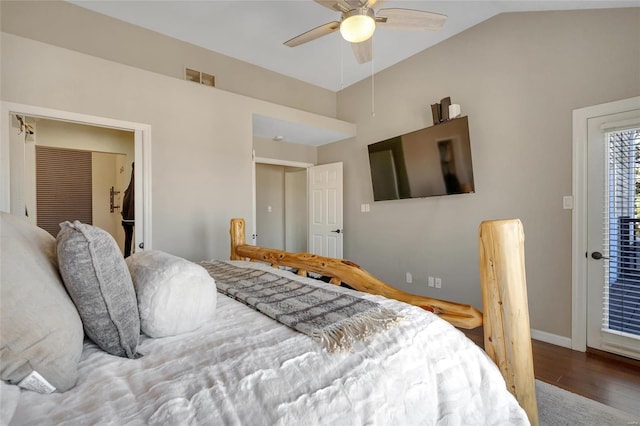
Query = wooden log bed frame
x=507 y=336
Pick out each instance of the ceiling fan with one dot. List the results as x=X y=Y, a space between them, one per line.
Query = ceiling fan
x=359 y=21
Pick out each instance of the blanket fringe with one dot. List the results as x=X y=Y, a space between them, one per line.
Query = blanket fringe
x=342 y=336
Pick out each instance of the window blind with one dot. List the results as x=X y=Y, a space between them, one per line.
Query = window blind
x=63 y=187
x=621 y=296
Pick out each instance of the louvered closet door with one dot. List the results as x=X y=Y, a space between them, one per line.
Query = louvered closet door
x=63 y=187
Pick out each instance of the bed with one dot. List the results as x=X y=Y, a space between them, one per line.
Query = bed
x=241 y=367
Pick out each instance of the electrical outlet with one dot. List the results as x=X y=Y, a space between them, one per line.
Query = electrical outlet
x=567 y=202
x=430 y=282
x=438 y=282
x=409 y=278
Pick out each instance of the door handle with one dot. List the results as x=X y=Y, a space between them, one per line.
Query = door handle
x=597 y=255
x=337 y=231
x=112 y=196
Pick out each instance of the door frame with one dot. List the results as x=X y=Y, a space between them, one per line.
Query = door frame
x=142 y=143
x=579 y=214
x=275 y=162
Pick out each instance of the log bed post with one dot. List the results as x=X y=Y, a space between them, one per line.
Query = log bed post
x=237 y=237
x=507 y=336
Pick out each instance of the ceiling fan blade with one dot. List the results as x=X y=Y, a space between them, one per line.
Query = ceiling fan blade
x=409 y=19
x=363 y=51
x=336 y=5
x=313 y=34
x=372 y=3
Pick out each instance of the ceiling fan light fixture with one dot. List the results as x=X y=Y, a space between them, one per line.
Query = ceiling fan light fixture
x=358 y=25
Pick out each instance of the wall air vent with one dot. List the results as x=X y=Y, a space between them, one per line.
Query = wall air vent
x=199 y=77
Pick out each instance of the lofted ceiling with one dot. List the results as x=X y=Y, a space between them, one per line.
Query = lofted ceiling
x=254 y=32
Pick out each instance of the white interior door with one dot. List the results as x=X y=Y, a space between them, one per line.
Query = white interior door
x=325 y=210
x=613 y=232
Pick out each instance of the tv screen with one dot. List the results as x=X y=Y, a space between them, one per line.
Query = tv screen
x=425 y=163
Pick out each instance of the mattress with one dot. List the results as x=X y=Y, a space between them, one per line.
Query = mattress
x=247 y=369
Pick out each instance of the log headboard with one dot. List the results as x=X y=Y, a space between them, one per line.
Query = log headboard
x=507 y=337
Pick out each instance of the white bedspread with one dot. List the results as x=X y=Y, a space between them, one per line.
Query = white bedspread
x=246 y=369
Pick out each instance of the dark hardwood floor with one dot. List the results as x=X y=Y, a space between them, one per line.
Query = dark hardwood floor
x=610 y=379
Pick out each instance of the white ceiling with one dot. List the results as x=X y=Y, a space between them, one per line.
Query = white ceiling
x=253 y=31
x=273 y=128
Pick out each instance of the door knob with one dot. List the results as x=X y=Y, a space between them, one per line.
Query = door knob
x=337 y=231
x=597 y=255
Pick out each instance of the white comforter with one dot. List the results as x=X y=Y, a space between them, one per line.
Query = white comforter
x=246 y=369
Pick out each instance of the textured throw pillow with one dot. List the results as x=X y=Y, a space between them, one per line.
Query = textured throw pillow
x=174 y=295
x=40 y=329
x=96 y=276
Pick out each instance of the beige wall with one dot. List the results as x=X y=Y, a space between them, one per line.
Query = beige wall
x=518 y=77
x=66 y=25
x=201 y=137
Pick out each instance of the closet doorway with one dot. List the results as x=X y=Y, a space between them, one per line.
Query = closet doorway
x=17 y=186
x=281 y=207
x=80 y=173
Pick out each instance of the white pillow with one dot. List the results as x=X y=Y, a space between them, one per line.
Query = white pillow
x=40 y=329
x=174 y=295
x=9 y=395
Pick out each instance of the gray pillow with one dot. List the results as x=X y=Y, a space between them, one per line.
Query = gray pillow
x=98 y=281
x=40 y=329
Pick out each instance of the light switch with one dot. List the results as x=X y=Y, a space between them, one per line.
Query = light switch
x=567 y=202
x=269 y=209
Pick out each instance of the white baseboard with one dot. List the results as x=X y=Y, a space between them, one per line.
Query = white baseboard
x=554 y=339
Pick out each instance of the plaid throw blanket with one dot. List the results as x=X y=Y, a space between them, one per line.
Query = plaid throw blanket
x=335 y=319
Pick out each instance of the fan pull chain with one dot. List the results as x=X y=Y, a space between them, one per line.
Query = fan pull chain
x=373 y=86
x=341 y=65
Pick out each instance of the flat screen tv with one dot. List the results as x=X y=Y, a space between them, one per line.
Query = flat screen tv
x=428 y=162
